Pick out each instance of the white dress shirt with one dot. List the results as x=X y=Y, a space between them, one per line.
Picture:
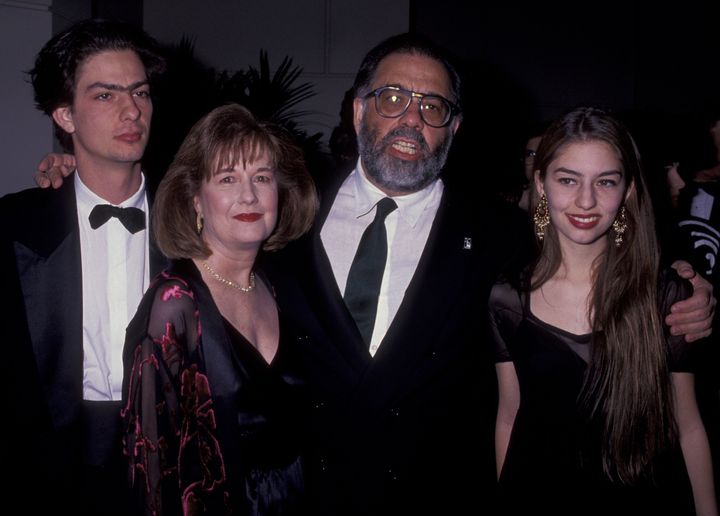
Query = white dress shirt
x=407 y=229
x=115 y=274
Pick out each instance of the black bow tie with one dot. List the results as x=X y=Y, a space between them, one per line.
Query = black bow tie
x=132 y=218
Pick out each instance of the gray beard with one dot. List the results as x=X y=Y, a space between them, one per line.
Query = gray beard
x=397 y=174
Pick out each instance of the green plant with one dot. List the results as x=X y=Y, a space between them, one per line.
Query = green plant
x=189 y=89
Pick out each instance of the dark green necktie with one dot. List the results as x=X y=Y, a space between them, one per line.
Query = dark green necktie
x=366 y=272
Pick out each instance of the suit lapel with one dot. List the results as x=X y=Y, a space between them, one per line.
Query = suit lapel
x=324 y=294
x=444 y=264
x=309 y=297
x=440 y=282
x=47 y=251
x=48 y=258
x=442 y=274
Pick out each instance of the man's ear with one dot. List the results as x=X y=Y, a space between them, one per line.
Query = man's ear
x=358 y=112
x=455 y=124
x=63 y=118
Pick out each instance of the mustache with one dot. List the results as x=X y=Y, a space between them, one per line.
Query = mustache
x=408 y=134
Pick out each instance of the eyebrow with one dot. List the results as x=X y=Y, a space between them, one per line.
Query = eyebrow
x=434 y=94
x=226 y=167
x=575 y=173
x=117 y=87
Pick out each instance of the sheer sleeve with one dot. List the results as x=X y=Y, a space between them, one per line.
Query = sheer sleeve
x=505 y=307
x=174 y=457
x=671 y=289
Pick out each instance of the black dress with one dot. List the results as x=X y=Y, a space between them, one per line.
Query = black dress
x=211 y=427
x=553 y=463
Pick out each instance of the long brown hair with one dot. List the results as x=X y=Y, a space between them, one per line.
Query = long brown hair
x=627 y=385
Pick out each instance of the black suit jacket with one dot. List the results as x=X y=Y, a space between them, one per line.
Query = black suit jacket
x=40 y=259
x=396 y=432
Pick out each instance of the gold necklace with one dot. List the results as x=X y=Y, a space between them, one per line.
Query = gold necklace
x=229 y=283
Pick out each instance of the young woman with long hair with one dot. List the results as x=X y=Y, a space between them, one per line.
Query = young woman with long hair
x=597 y=412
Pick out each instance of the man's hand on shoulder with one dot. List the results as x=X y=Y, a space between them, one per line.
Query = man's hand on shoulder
x=53 y=169
x=693 y=316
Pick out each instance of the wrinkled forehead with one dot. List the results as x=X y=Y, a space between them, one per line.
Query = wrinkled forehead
x=415 y=72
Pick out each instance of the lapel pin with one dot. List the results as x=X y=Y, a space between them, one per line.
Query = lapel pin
x=467 y=243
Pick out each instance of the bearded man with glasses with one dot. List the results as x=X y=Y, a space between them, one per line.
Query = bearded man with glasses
x=404 y=400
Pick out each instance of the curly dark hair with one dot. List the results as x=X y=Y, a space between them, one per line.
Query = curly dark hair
x=54 y=74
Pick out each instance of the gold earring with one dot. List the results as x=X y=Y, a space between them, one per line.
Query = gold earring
x=541 y=217
x=199 y=223
x=619 y=226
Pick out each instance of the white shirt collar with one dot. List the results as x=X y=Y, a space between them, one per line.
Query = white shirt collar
x=88 y=199
x=410 y=206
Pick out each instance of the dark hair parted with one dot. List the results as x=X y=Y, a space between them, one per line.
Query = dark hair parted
x=627 y=387
x=55 y=72
x=406 y=43
x=226 y=135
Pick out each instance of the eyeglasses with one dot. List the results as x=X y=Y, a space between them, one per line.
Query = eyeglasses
x=392 y=102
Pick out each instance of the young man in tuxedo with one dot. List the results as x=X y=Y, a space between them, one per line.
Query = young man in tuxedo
x=77 y=261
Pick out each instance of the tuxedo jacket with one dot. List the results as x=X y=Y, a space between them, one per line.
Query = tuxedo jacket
x=41 y=262
x=394 y=433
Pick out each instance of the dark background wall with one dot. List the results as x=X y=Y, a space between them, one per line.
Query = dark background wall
x=627 y=54
x=522 y=61
x=655 y=66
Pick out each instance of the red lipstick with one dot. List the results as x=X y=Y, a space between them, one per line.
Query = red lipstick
x=584 y=221
x=248 y=217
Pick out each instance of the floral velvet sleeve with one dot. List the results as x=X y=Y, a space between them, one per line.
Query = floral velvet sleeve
x=176 y=465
